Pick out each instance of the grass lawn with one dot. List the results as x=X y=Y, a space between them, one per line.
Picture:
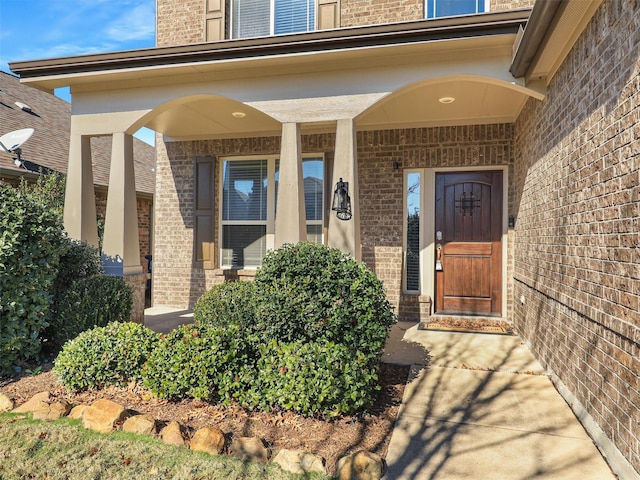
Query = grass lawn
x=63 y=449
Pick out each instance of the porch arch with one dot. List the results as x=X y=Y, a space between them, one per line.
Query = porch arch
x=448 y=100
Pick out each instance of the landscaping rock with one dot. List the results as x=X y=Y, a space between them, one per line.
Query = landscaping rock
x=172 y=434
x=144 y=424
x=297 y=461
x=103 y=415
x=78 y=411
x=249 y=448
x=34 y=403
x=52 y=411
x=6 y=403
x=361 y=466
x=41 y=407
x=209 y=439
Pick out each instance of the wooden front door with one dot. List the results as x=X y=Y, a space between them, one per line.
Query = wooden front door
x=468 y=221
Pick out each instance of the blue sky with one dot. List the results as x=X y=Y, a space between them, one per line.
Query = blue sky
x=37 y=29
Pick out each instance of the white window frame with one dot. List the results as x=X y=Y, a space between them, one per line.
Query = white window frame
x=270 y=222
x=405 y=213
x=272 y=19
x=487 y=8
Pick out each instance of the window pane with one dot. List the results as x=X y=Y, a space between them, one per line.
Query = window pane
x=413 y=232
x=447 y=8
x=251 y=18
x=244 y=190
x=314 y=233
x=313 y=174
x=243 y=245
x=294 y=16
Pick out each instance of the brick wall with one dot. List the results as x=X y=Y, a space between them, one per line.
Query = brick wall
x=381 y=194
x=180 y=22
x=577 y=262
x=497 y=5
x=373 y=12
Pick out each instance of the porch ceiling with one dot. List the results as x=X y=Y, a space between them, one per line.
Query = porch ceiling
x=213 y=117
x=474 y=102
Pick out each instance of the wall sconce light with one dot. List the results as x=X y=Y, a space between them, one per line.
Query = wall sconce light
x=512 y=221
x=396 y=166
x=341 y=201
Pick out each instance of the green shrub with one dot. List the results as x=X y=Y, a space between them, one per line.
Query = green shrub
x=226 y=304
x=315 y=378
x=309 y=292
x=79 y=260
x=90 y=302
x=199 y=361
x=31 y=243
x=109 y=355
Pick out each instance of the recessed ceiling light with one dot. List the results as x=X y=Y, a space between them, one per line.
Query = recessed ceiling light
x=239 y=114
x=446 y=100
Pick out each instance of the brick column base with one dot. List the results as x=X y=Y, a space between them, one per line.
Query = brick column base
x=137 y=282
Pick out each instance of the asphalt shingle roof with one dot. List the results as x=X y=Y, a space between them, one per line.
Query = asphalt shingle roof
x=50 y=117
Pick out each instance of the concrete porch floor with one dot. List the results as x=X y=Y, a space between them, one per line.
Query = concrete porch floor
x=482 y=407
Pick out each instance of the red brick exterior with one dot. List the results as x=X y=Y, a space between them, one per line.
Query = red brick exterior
x=577 y=239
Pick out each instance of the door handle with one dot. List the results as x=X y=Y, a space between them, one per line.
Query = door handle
x=438 y=257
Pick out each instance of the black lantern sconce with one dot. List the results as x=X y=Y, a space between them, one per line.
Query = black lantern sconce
x=341 y=201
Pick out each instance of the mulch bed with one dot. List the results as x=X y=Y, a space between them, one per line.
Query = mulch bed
x=330 y=439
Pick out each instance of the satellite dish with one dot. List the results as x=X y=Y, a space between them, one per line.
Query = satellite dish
x=12 y=141
x=23 y=106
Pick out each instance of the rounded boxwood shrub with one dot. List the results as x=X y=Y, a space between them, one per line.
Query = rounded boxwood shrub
x=312 y=378
x=90 y=302
x=226 y=304
x=199 y=361
x=309 y=292
x=109 y=355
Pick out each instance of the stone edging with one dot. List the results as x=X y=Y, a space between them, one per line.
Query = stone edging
x=105 y=416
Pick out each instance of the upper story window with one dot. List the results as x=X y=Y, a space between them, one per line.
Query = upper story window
x=258 y=18
x=449 y=8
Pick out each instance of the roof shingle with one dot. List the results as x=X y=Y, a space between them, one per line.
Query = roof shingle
x=50 y=117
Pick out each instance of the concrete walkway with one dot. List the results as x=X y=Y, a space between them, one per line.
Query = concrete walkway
x=482 y=409
x=476 y=407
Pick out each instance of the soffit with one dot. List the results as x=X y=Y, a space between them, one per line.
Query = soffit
x=568 y=23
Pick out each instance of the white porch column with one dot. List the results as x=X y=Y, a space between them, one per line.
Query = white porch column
x=291 y=218
x=345 y=234
x=121 y=249
x=80 y=199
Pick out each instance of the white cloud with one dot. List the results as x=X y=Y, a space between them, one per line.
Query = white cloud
x=136 y=24
x=61 y=28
